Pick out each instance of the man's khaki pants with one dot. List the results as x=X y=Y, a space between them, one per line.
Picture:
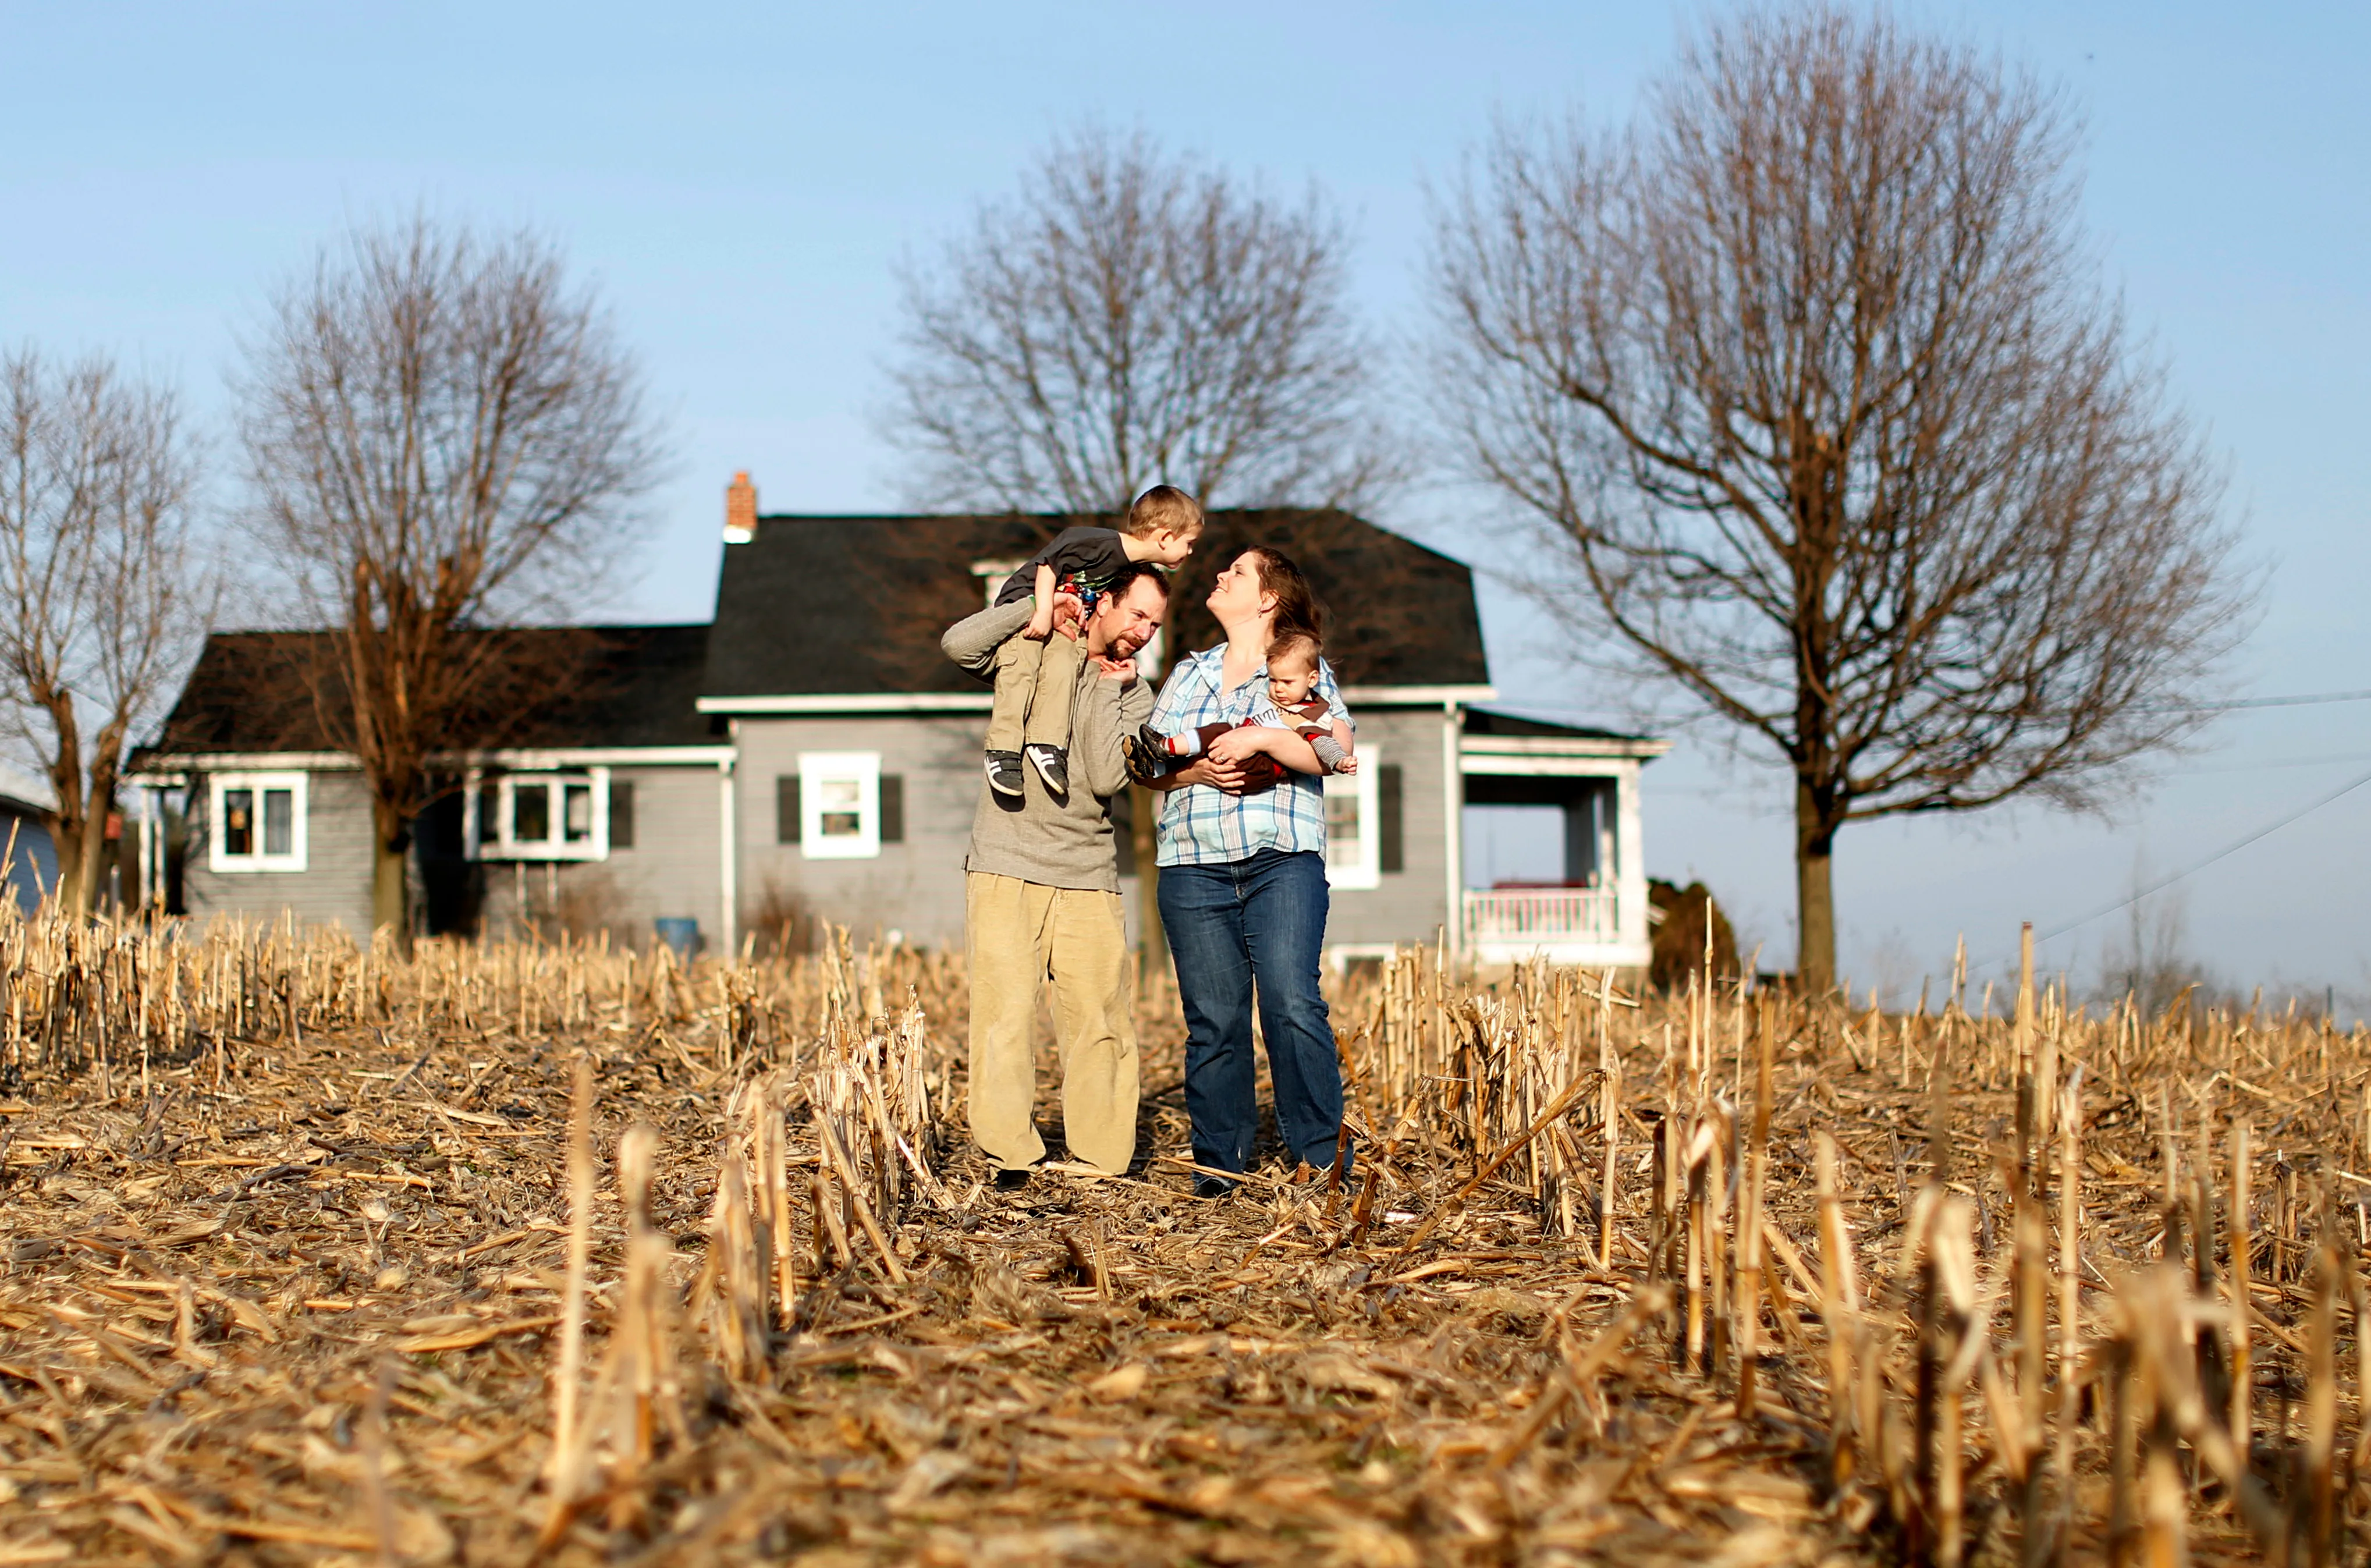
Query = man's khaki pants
x=1033 y=685
x=1016 y=934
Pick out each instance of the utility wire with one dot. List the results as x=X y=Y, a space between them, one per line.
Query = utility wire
x=2300 y=700
x=2308 y=700
x=2162 y=883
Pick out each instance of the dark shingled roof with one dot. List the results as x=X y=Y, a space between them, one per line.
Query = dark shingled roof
x=563 y=687
x=854 y=605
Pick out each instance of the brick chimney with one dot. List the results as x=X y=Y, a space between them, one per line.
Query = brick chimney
x=740 y=509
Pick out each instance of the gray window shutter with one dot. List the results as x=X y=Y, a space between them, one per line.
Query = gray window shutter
x=893 y=808
x=622 y=813
x=1391 y=846
x=786 y=809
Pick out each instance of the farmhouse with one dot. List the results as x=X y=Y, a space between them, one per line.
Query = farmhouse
x=810 y=752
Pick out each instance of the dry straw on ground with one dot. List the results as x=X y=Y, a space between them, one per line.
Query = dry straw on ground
x=497 y=1253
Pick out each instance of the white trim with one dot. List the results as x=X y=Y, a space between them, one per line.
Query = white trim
x=1452 y=835
x=219 y=858
x=881 y=703
x=1549 y=767
x=1367 y=871
x=1417 y=696
x=598 y=756
x=864 y=770
x=728 y=838
x=821 y=703
x=1551 y=747
x=994 y=575
x=595 y=846
x=311 y=762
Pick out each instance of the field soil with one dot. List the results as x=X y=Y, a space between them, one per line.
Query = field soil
x=301 y=1295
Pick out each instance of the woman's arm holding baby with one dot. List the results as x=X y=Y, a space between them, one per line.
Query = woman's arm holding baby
x=1250 y=741
x=1346 y=760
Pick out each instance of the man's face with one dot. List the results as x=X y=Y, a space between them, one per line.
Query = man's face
x=1124 y=622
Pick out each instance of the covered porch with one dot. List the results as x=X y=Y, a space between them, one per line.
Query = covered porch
x=1588 y=905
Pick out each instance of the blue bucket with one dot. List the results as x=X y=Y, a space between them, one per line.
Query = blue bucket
x=681 y=933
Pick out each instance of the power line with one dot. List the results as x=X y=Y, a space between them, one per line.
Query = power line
x=2226 y=851
x=2307 y=700
x=2294 y=700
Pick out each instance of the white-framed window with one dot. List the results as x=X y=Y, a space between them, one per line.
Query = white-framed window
x=538 y=815
x=839 y=805
x=1354 y=823
x=256 y=821
x=991 y=576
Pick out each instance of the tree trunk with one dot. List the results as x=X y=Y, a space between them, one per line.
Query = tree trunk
x=1815 y=901
x=66 y=835
x=391 y=836
x=98 y=807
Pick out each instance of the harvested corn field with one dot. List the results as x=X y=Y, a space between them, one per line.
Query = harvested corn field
x=316 y=1254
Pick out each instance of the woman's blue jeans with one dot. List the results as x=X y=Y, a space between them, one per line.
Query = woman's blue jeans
x=1254 y=926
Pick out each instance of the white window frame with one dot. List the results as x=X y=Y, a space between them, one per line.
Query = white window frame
x=506 y=786
x=1367 y=870
x=817 y=769
x=218 y=855
x=991 y=576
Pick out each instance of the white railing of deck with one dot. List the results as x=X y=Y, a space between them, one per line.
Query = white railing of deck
x=1541 y=915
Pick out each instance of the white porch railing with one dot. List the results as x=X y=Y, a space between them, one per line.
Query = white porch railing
x=1541 y=915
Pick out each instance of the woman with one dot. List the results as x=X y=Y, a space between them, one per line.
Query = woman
x=1242 y=851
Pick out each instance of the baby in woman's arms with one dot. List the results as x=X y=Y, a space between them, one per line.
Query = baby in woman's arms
x=1291 y=672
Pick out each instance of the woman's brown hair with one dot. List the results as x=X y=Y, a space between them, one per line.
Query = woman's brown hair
x=1296 y=606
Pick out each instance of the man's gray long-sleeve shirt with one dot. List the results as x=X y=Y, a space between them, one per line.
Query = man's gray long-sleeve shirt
x=1056 y=844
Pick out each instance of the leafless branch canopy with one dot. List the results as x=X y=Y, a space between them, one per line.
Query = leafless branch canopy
x=106 y=596
x=443 y=434
x=1809 y=375
x=1131 y=319
x=1807 y=378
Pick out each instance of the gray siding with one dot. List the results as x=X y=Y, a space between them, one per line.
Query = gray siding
x=915 y=887
x=333 y=889
x=1411 y=904
x=675 y=867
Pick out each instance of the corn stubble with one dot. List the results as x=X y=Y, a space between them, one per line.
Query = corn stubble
x=563 y=1253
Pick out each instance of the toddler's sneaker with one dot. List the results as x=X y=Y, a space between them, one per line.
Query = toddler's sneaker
x=1004 y=773
x=1053 y=765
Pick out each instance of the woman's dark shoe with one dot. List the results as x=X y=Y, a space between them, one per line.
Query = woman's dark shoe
x=1013 y=1180
x=1212 y=1187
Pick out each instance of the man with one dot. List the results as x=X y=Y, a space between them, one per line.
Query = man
x=1041 y=896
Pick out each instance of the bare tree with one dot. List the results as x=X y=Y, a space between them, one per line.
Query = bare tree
x=444 y=435
x=1131 y=319
x=105 y=595
x=1808 y=380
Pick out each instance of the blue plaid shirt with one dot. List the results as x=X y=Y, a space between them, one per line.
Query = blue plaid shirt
x=1204 y=826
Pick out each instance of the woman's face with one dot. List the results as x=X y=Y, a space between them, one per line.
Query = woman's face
x=1238 y=595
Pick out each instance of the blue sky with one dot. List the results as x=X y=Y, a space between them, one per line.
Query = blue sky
x=742 y=181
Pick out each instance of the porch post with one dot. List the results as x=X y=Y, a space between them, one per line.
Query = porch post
x=728 y=920
x=1452 y=838
x=1629 y=860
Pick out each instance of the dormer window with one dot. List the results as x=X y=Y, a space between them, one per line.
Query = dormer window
x=991 y=576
